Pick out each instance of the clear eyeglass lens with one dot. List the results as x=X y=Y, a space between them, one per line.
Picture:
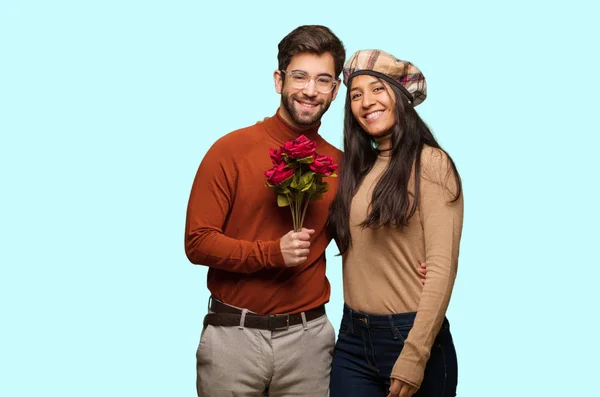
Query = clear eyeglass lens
x=324 y=83
x=301 y=80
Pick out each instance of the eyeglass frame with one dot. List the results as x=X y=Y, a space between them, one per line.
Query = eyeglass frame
x=333 y=80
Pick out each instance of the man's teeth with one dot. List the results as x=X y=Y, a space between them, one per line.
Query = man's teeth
x=373 y=115
x=308 y=105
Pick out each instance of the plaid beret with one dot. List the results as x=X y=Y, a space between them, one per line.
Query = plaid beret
x=402 y=74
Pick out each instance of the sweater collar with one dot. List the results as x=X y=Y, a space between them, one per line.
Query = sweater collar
x=282 y=132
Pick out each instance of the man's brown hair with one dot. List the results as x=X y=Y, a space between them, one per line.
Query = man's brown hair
x=315 y=39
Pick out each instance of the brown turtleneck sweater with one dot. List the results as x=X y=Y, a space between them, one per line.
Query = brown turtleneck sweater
x=234 y=225
x=381 y=266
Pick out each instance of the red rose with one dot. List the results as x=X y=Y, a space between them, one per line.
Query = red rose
x=323 y=165
x=279 y=174
x=299 y=148
x=276 y=156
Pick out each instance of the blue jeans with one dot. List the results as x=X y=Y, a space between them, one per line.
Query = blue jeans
x=368 y=347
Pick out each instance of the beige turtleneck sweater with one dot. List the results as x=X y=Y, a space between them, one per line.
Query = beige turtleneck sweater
x=381 y=266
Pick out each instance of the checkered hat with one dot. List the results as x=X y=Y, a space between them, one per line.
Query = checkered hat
x=401 y=74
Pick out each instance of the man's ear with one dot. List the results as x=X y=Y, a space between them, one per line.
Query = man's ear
x=278 y=79
x=337 y=87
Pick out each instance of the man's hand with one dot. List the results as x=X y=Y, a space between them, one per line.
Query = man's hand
x=295 y=247
x=423 y=271
x=401 y=389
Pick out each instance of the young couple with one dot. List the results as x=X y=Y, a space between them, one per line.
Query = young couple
x=398 y=203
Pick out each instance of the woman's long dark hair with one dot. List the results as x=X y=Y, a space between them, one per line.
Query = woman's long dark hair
x=391 y=204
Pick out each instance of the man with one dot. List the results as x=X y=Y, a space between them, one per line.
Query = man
x=267 y=332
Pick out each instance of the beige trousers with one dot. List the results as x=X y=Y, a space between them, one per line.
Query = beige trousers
x=254 y=362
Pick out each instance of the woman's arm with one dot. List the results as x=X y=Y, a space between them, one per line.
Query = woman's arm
x=441 y=219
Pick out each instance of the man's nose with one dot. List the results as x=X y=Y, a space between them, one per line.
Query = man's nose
x=311 y=88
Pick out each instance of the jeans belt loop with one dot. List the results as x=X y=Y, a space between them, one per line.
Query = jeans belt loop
x=351 y=324
x=393 y=327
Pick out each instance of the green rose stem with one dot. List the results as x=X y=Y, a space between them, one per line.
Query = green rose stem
x=291 y=203
x=296 y=215
x=297 y=201
x=305 y=208
x=298 y=210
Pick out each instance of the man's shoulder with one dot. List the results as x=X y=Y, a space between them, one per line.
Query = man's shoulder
x=240 y=140
x=328 y=149
x=242 y=136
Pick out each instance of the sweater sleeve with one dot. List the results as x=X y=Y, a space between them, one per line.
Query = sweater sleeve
x=209 y=206
x=441 y=220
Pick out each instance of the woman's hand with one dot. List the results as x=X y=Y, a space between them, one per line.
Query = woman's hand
x=423 y=271
x=401 y=389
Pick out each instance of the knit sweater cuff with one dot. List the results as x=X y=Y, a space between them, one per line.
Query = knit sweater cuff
x=408 y=372
x=275 y=254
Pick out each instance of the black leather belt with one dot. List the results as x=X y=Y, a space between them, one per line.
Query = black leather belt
x=228 y=316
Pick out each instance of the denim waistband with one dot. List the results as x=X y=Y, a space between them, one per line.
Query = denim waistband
x=380 y=320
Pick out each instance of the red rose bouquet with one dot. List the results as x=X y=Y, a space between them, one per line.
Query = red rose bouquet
x=297 y=176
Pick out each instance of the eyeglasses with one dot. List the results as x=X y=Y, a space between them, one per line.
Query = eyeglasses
x=300 y=80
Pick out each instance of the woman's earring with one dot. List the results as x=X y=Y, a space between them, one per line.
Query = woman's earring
x=374 y=143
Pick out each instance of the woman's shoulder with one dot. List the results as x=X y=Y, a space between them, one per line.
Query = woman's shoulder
x=434 y=160
x=437 y=167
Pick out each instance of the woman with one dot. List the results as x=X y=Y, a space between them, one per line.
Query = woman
x=399 y=204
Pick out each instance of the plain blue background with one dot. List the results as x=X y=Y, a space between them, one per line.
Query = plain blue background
x=107 y=108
